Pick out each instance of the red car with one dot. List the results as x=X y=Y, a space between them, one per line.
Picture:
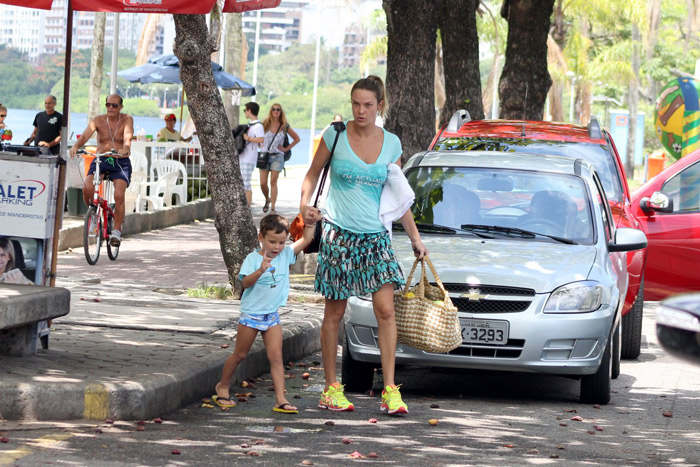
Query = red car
x=590 y=143
x=668 y=206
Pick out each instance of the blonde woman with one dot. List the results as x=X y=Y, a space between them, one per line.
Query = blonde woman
x=275 y=126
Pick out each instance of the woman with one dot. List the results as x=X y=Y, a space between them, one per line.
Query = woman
x=351 y=224
x=8 y=272
x=169 y=133
x=275 y=126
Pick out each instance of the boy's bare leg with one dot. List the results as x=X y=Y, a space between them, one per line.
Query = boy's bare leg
x=273 y=345
x=244 y=341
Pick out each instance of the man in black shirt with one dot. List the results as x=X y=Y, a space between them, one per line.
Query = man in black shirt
x=47 y=127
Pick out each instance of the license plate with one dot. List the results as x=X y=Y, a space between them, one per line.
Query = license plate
x=482 y=331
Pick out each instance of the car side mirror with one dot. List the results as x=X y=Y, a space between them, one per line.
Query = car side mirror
x=658 y=202
x=628 y=240
x=678 y=327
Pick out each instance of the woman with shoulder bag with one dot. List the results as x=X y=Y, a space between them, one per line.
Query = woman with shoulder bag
x=275 y=126
x=366 y=263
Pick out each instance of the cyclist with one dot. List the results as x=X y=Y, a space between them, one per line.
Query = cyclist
x=114 y=132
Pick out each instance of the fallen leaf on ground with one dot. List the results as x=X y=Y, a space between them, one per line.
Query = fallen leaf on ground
x=254 y=453
x=4 y=440
x=305 y=376
x=224 y=346
x=140 y=428
x=561 y=447
x=98 y=430
x=508 y=446
x=372 y=420
x=243 y=394
x=207 y=406
x=590 y=432
x=206 y=400
x=533 y=451
x=346 y=441
x=598 y=428
x=289 y=375
x=563 y=424
x=330 y=423
x=245 y=384
x=433 y=422
x=259 y=442
x=570 y=410
x=158 y=420
x=306 y=462
x=140 y=422
x=96 y=300
x=356 y=455
x=373 y=455
x=577 y=418
x=242 y=399
x=668 y=414
x=176 y=452
x=109 y=420
x=596 y=406
x=434 y=406
x=554 y=456
x=245 y=446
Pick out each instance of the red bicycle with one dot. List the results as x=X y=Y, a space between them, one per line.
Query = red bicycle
x=99 y=218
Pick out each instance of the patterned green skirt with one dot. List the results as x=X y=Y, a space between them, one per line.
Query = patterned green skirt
x=354 y=264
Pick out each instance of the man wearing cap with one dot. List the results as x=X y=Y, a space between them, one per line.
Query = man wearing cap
x=169 y=133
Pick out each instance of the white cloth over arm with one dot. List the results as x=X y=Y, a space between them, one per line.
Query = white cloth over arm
x=397 y=196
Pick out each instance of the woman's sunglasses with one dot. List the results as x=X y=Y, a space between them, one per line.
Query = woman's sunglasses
x=277 y=110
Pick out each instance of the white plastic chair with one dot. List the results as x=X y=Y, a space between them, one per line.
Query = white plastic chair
x=159 y=169
x=132 y=196
x=165 y=186
x=139 y=162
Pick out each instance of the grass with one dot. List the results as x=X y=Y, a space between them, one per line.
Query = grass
x=219 y=292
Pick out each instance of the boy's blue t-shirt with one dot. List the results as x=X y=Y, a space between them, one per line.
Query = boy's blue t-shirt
x=262 y=298
x=356 y=186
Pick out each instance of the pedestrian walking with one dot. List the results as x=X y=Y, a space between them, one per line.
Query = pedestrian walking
x=276 y=130
x=355 y=256
x=265 y=278
x=47 y=127
x=254 y=137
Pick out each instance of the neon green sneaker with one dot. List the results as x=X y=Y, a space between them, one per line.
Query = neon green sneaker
x=334 y=399
x=391 y=401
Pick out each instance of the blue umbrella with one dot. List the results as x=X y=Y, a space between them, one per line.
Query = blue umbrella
x=166 y=69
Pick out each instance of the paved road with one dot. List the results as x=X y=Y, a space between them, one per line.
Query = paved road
x=484 y=419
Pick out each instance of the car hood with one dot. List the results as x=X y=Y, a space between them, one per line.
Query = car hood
x=539 y=265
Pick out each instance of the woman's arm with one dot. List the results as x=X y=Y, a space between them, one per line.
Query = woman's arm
x=310 y=214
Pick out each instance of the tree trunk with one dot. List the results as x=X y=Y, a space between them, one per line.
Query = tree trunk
x=460 y=52
x=96 y=65
x=654 y=11
x=237 y=233
x=410 y=72
x=633 y=102
x=525 y=80
x=234 y=46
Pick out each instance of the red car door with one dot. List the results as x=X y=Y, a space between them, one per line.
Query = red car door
x=673 y=260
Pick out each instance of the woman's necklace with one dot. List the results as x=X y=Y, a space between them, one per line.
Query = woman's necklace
x=111 y=135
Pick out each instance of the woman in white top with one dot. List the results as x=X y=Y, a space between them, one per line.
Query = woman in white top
x=275 y=126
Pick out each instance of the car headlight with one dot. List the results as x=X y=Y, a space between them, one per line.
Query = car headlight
x=578 y=297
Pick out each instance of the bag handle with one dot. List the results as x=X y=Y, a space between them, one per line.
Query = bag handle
x=339 y=128
x=424 y=280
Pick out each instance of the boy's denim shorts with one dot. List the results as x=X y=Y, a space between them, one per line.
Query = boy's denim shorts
x=260 y=322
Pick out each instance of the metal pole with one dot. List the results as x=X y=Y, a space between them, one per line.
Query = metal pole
x=313 y=101
x=115 y=55
x=255 y=53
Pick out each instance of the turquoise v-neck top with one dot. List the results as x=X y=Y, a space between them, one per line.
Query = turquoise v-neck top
x=356 y=186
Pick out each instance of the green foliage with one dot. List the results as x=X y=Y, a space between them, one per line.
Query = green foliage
x=219 y=292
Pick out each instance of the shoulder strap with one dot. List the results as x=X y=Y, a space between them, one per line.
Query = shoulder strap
x=339 y=128
x=273 y=138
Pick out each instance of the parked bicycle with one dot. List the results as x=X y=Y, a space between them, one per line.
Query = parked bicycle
x=99 y=218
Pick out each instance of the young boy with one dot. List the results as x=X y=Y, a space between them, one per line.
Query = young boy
x=265 y=276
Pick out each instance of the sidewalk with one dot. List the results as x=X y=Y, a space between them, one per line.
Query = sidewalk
x=134 y=346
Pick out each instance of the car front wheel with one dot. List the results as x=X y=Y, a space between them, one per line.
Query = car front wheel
x=357 y=376
x=595 y=388
x=632 y=327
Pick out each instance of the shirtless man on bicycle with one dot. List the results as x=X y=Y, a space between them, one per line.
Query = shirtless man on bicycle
x=114 y=132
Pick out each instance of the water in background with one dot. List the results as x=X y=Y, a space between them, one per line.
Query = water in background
x=20 y=122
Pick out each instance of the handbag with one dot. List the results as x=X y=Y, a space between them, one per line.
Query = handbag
x=425 y=316
x=264 y=157
x=296 y=230
x=287 y=154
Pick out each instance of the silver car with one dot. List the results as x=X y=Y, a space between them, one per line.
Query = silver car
x=527 y=249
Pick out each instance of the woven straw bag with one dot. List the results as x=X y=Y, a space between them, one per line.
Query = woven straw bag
x=425 y=316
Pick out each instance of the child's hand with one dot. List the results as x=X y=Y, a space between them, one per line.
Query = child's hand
x=266 y=263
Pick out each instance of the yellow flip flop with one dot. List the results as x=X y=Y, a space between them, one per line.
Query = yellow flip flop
x=282 y=408
x=217 y=400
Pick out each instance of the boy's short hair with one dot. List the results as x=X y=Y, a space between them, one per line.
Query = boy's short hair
x=274 y=222
x=254 y=107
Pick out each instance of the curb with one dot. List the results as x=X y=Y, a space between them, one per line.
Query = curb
x=151 y=397
x=72 y=237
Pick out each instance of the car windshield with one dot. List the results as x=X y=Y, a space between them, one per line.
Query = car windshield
x=500 y=202
x=597 y=154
